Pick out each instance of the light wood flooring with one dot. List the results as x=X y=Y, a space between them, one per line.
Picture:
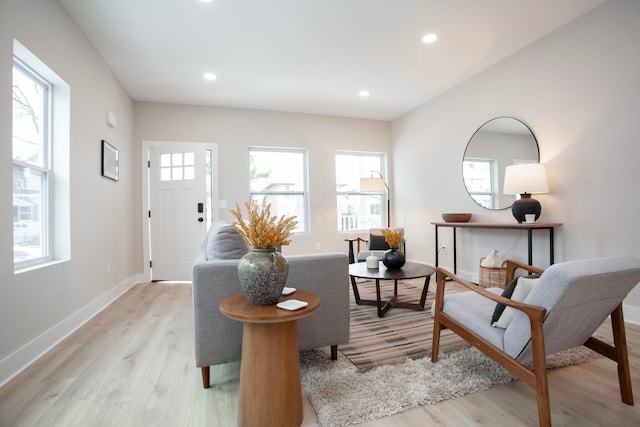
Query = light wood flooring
x=133 y=365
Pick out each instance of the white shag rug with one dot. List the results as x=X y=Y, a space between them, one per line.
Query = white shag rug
x=341 y=396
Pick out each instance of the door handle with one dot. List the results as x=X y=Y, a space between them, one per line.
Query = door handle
x=200 y=219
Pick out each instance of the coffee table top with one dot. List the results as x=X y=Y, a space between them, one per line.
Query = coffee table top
x=237 y=307
x=410 y=270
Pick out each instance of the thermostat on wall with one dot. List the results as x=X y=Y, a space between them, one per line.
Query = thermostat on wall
x=111 y=119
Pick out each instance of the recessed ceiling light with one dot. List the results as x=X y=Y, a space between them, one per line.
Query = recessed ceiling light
x=206 y=1
x=209 y=76
x=429 y=38
x=364 y=93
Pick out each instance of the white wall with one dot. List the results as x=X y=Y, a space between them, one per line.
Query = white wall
x=579 y=91
x=38 y=308
x=234 y=130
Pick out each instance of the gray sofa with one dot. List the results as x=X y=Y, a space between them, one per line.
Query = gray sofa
x=218 y=339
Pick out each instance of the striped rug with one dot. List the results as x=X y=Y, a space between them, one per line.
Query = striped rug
x=401 y=334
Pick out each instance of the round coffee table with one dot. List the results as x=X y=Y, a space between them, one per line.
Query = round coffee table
x=410 y=270
x=270 y=390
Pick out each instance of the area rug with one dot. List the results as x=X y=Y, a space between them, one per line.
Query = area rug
x=342 y=396
x=402 y=333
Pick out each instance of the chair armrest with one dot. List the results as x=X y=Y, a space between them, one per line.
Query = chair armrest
x=358 y=240
x=513 y=265
x=534 y=313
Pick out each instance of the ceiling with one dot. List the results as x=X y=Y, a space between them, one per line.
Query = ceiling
x=310 y=56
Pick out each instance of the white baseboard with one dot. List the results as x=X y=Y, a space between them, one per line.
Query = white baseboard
x=29 y=353
x=631 y=314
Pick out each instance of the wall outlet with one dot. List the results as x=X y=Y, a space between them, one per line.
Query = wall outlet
x=443 y=249
x=108 y=267
x=317 y=246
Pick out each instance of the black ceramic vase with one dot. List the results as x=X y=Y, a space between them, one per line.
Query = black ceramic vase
x=393 y=259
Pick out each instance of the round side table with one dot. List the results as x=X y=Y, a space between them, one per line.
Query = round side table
x=270 y=389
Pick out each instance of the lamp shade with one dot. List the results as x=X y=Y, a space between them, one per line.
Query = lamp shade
x=372 y=185
x=525 y=179
x=528 y=178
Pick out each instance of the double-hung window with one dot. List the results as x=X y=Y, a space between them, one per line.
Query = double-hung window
x=356 y=210
x=479 y=178
x=31 y=146
x=40 y=145
x=280 y=175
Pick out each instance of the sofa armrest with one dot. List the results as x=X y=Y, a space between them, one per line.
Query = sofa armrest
x=218 y=339
x=326 y=275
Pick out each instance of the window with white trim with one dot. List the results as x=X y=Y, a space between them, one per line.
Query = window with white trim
x=41 y=223
x=280 y=175
x=359 y=211
x=479 y=178
x=31 y=167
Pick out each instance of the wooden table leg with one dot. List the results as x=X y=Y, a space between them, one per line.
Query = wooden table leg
x=382 y=307
x=270 y=390
x=425 y=289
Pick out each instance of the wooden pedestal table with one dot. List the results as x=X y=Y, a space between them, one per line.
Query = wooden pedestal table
x=270 y=389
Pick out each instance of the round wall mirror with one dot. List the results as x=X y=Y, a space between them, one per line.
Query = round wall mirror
x=498 y=143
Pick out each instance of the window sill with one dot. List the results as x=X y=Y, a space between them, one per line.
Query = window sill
x=39 y=266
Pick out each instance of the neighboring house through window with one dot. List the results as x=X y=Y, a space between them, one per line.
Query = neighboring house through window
x=280 y=174
x=358 y=211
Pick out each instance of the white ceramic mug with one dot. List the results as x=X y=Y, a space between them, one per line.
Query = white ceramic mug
x=529 y=218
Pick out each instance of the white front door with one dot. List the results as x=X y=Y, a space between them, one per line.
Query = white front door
x=177 y=208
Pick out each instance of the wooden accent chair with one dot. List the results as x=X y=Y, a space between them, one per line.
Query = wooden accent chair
x=375 y=244
x=564 y=308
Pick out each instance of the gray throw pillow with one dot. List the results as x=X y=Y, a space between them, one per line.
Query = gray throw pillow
x=224 y=242
x=377 y=243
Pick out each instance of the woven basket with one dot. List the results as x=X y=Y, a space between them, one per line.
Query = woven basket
x=493 y=277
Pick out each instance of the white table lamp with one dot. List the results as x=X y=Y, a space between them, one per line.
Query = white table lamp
x=525 y=180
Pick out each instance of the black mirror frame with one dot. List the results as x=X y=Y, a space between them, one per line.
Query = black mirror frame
x=535 y=139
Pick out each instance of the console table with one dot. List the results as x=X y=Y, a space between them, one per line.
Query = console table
x=528 y=227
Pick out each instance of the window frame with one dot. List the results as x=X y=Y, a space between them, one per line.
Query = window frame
x=383 y=205
x=304 y=225
x=492 y=193
x=45 y=170
x=59 y=155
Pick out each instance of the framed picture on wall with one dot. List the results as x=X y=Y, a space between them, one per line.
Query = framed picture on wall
x=109 y=161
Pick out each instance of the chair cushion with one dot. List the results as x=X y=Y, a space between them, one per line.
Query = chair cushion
x=508 y=291
x=521 y=290
x=224 y=242
x=474 y=311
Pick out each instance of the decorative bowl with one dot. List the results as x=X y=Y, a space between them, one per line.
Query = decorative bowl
x=456 y=217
